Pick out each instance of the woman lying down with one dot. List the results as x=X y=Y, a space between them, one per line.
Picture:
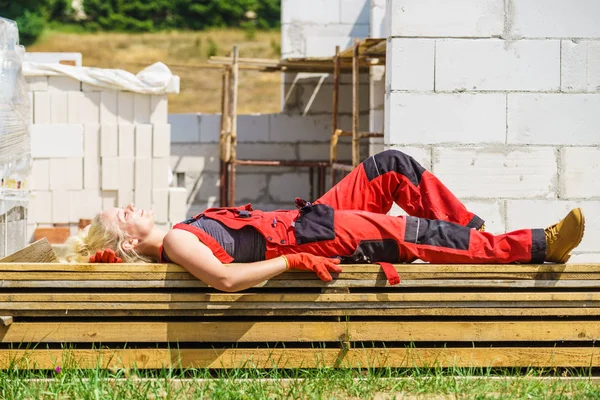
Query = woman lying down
x=347 y=225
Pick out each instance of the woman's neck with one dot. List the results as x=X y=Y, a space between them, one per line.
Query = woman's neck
x=152 y=244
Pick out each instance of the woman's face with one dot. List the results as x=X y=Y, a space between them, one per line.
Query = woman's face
x=136 y=222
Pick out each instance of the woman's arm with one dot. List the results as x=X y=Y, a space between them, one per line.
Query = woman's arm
x=185 y=249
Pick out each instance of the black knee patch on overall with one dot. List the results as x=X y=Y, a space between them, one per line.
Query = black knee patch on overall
x=393 y=161
x=437 y=233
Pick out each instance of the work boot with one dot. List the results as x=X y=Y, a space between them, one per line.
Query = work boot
x=481 y=228
x=564 y=236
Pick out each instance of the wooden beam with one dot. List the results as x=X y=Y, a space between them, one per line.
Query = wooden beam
x=37 y=252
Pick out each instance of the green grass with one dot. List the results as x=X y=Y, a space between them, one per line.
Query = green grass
x=465 y=383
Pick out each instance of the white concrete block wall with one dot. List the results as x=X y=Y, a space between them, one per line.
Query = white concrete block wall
x=505 y=95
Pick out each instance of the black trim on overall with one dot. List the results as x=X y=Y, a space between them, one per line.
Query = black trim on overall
x=315 y=223
x=369 y=251
x=393 y=160
x=538 y=246
x=437 y=233
x=475 y=222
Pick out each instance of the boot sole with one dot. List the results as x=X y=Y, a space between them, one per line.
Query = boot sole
x=567 y=255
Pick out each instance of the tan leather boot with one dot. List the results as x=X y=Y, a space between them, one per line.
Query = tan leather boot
x=563 y=237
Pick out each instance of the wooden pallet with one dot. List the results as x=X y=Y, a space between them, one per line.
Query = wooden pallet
x=158 y=315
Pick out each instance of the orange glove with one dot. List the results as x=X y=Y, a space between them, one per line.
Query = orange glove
x=320 y=265
x=105 y=256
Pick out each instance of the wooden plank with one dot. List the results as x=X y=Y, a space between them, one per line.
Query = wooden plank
x=300 y=331
x=37 y=252
x=301 y=358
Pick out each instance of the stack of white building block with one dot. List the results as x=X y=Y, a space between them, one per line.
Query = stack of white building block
x=94 y=148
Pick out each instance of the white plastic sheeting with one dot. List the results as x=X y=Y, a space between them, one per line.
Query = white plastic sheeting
x=155 y=79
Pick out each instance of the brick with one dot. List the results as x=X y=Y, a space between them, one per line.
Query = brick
x=184 y=128
x=92 y=202
x=159 y=109
x=446 y=118
x=110 y=173
x=126 y=173
x=293 y=128
x=58 y=108
x=108 y=107
x=126 y=141
x=74 y=102
x=555 y=18
x=354 y=11
x=177 y=204
x=76 y=204
x=161 y=140
x=125 y=197
x=209 y=127
x=497 y=173
x=579 y=61
x=60 y=206
x=90 y=108
x=553 y=118
x=125 y=108
x=441 y=18
x=109 y=140
x=41 y=108
x=411 y=65
x=160 y=173
x=58 y=140
x=542 y=213
x=63 y=84
x=285 y=187
x=298 y=11
x=495 y=64
x=579 y=172
x=109 y=199
x=492 y=212
x=143 y=141
x=37 y=83
x=143 y=183
x=40 y=174
x=202 y=157
x=160 y=205
x=141 y=108
x=40 y=207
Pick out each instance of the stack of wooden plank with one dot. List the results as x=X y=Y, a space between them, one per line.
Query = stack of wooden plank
x=155 y=315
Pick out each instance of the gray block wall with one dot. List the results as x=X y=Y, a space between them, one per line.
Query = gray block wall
x=501 y=100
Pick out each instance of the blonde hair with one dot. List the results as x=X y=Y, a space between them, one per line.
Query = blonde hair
x=100 y=235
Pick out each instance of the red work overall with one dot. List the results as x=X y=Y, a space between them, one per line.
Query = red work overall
x=350 y=221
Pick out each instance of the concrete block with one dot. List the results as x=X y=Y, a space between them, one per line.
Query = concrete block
x=315 y=40
x=314 y=99
x=90 y=108
x=74 y=102
x=110 y=199
x=143 y=141
x=267 y=151
x=209 y=127
x=143 y=182
x=41 y=108
x=580 y=65
x=37 y=83
x=160 y=205
x=126 y=141
x=495 y=64
x=160 y=173
x=378 y=21
x=109 y=140
x=110 y=173
x=411 y=64
x=300 y=11
x=58 y=140
x=126 y=197
x=285 y=187
x=584 y=258
x=91 y=203
x=553 y=118
x=86 y=87
x=355 y=11
x=58 y=108
x=441 y=18
x=40 y=174
x=161 y=140
x=91 y=140
x=554 y=18
x=177 y=204
x=249 y=188
x=376 y=120
x=63 y=84
x=202 y=187
x=91 y=172
x=159 y=109
x=75 y=205
x=184 y=128
x=40 y=206
x=492 y=212
x=446 y=118
x=60 y=206
x=125 y=111
x=73 y=175
x=141 y=108
x=421 y=154
x=377 y=91
x=202 y=157
x=31 y=107
x=126 y=173
x=542 y=213
x=579 y=176
x=142 y=198
x=293 y=128
x=108 y=107
x=498 y=173
x=253 y=128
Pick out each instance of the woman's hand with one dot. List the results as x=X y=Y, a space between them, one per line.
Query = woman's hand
x=322 y=266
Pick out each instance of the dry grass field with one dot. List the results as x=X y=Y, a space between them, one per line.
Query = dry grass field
x=200 y=88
